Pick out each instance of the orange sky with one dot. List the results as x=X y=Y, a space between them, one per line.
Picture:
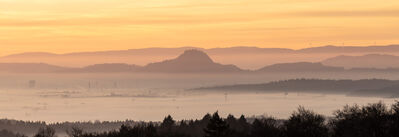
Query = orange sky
x=90 y=25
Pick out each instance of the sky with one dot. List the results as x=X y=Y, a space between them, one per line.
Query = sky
x=62 y=26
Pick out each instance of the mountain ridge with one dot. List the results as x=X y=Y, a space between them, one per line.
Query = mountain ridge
x=384 y=48
x=191 y=61
x=242 y=56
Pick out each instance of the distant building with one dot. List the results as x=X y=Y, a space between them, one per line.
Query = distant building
x=32 y=83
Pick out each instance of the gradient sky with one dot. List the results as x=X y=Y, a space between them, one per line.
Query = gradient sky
x=90 y=25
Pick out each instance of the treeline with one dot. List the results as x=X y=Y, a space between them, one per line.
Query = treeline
x=373 y=120
x=6 y=133
x=32 y=127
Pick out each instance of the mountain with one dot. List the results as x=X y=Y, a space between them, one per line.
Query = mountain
x=390 y=88
x=30 y=68
x=249 y=57
x=300 y=67
x=380 y=61
x=190 y=61
x=32 y=54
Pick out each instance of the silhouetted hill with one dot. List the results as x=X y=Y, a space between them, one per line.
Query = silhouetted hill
x=30 y=68
x=110 y=67
x=389 y=91
x=32 y=54
x=190 y=61
x=247 y=50
x=354 y=87
x=365 y=61
x=369 y=70
x=351 y=49
x=300 y=67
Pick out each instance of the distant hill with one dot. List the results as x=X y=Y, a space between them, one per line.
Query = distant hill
x=32 y=54
x=352 y=49
x=46 y=68
x=373 y=87
x=380 y=70
x=190 y=61
x=365 y=61
x=110 y=67
x=30 y=68
x=300 y=67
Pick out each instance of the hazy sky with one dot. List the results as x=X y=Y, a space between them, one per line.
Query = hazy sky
x=89 y=25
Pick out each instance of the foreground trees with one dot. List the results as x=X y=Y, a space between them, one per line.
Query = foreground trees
x=6 y=133
x=217 y=127
x=373 y=120
x=305 y=123
x=46 y=132
x=265 y=127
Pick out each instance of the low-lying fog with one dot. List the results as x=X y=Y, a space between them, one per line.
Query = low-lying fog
x=84 y=97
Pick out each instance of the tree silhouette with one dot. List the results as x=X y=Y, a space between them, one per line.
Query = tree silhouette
x=216 y=127
x=46 y=132
x=368 y=121
x=306 y=123
x=265 y=127
x=394 y=123
x=75 y=132
x=6 y=133
x=168 y=122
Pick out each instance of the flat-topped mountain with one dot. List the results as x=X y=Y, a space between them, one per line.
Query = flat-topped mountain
x=190 y=61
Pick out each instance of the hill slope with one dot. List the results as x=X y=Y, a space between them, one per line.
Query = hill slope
x=30 y=68
x=190 y=61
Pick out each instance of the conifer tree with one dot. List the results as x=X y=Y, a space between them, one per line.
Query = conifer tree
x=216 y=127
